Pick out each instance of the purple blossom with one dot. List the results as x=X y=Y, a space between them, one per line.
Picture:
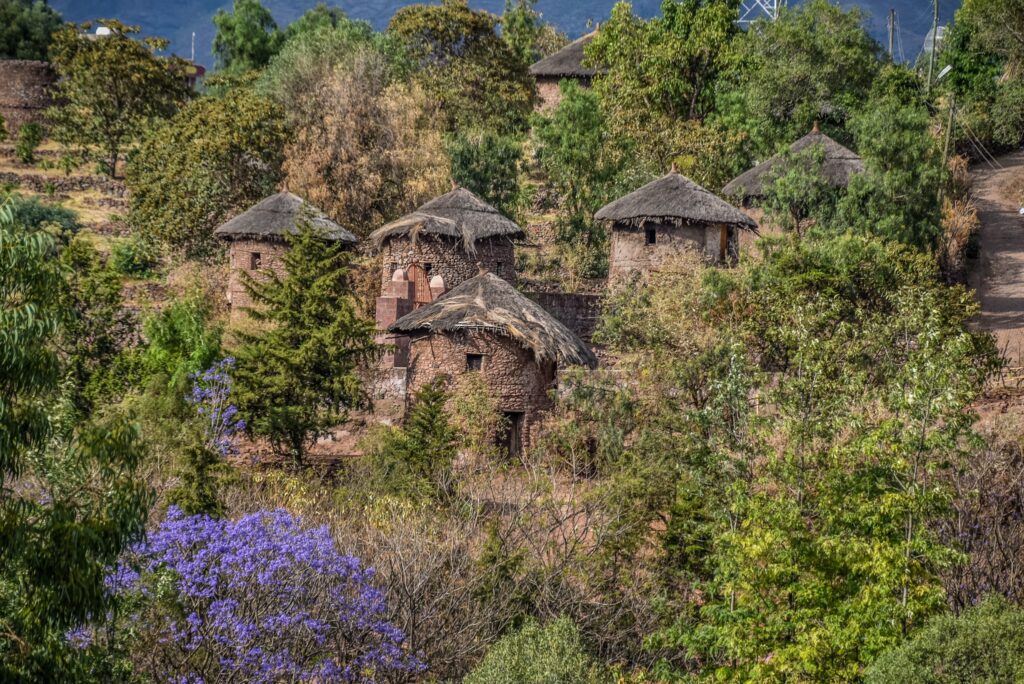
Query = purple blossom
x=211 y=394
x=265 y=600
x=79 y=637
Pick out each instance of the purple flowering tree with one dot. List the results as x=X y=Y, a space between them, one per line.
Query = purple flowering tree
x=260 y=599
x=211 y=397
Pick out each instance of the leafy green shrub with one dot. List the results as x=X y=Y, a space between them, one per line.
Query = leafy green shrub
x=983 y=645
x=30 y=136
x=487 y=164
x=549 y=654
x=182 y=340
x=32 y=213
x=135 y=256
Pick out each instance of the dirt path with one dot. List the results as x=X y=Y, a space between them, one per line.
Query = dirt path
x=998 y=277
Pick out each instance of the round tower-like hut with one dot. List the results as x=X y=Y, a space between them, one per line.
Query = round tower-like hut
x=487 y=326
x=25 y=92
x=440 y=244
x=652 y=225
x=565 y=64
x=838 y=166
x=257 y=242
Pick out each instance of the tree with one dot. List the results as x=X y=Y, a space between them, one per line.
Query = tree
x=298 y=372
x=70 y=500
x=550 y=653
x=365 y=149
x=797 y=191
x=477 y=78
x=998 y=25
x=247 y=37
x=30 y=135
x=215 y=158
x=26 y=28
x=527 y=34
x=111 y=89
x=487 y=164
x=982 y=644
x=815 y=62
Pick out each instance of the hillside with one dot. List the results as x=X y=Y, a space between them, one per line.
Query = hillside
x=178 y=20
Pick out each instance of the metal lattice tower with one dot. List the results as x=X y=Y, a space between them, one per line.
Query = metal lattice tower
x=759 y=9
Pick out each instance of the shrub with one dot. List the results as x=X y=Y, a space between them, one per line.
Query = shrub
x=135 y=256
x=32 y=213
x=550 y=654
x=487 y=164
x=30 y=136
x=984 y=644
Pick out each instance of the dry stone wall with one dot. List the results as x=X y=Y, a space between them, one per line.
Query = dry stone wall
x=242 y=259
x=448 y=259
x=578 y=311
x=631 y=252
x=25 y=87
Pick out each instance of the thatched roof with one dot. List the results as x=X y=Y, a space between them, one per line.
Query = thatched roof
x=840 y=163
x=567 y=62
x=487 y=302
x=675 y=199
x=458 y=215
x=278 y=215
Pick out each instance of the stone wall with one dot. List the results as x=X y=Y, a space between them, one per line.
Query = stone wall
x=631 y=253
x=578 y=311
x=549 y=94
x=513 y=376
x=241 y=259
x=24 y=91
x=63 y=184
x=448 y=259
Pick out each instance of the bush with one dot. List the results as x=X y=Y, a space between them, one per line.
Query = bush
x=982 y=645
x=135 y=256
x=552 y=654
x=32 y=213
x=30 y=136
x=487 y=164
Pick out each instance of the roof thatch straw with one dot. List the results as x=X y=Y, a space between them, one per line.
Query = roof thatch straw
x=458 y=214
x=839 y=164
x=567 y=62
x=488 y=303
x=274 y=217
x=673 y=199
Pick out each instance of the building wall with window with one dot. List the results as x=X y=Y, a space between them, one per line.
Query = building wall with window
x=646 y=249
x=447 y=259
x=253 y=257
x=519 y=383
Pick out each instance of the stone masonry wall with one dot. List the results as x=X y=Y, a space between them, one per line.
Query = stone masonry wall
x=24 y=91
x=448 y=259
x=240 y=259
x=630 y=252
x=513 y=376
x=578 y=311
x=549 y=94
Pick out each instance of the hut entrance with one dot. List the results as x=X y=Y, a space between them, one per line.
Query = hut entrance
x=420 y=280
x=511 y=438
x=723 y=244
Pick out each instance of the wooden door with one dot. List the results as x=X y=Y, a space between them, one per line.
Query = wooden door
x=723 y=244
x=417 y=275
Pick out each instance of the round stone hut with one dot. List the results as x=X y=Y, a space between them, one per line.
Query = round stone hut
x=485 y=325
x=673 y=214
x=25 y=92
x=443 y=241
x=565 y=64
x=257 y=239
x=838 y=166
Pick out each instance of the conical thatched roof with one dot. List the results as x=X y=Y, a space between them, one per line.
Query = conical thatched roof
x=673 y=199
x=840 y=163
x=567 y=62
x=458 y=214
x=278 y=215
x=487 y=302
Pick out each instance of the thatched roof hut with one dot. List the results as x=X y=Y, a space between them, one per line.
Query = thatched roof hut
x=839 y=165
x=567 y=62
x=272 y=218
x=459 y=215
x=673 y=200
x=488 y=303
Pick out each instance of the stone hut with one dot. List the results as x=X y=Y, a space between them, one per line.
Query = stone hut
x=839 y=165
x=667 y=216
x=257 y=239
x=485 y=325
x=25 y=92
x=439 y=245
x=567 y=63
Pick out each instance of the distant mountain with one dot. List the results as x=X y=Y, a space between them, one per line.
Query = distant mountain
x=178 y=19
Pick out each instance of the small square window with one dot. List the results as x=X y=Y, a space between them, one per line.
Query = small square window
x=428 y=268
x=255 y=261
x=474 y=362
x=650 y=236
x=392 y=267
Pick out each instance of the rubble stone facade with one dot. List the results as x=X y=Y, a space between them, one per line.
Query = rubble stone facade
x=251 y=256
x=549 y=94
x=447 y=259
x=648 y=248
x=25 y=87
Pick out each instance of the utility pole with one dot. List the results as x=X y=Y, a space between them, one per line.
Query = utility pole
x=194 y=46
x=935 y=45
x=892 y=29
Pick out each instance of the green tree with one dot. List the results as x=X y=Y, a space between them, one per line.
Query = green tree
x=30 y=135
x=26 y=27
x=998 y=25
x=527 y=34
x=247 y=37
x=477 y=78
x=111 y=89
x=984 y=644
x=487 y=163
x=797 y=191
x=298 y=372
x=552 y=653
x=70 y=501
x=215 y=158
